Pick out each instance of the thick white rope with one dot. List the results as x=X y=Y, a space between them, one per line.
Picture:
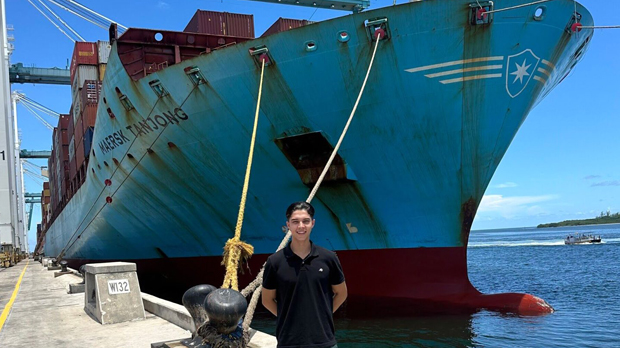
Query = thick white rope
x=517 y=6
x=255 y=285
x=599 y=27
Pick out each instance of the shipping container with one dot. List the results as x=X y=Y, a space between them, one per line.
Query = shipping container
x=72 y=168
x=79 y=154
x=63 y=154
x=79 y=131
x=46 y=186
x=84 y=53
x=70 y=126
x=71 y=148
x=76 y=109
x=221 y=23
x=88 y=140
x=63 y=121
x=83 y=73
x=90 y=92
x=89 y=116
x=103 y=49
x=284 y=24
x=102 y=68
x=64 y=138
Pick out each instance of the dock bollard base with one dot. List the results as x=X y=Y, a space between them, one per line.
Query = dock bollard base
x=53 y=268
x=58 y=274
x=77 y=288
x=170 y=344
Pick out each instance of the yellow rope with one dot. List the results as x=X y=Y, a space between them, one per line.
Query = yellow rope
x=255 y=286
x=235 y=250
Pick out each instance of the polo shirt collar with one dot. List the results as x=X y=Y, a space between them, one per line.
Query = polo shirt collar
x=288 y=252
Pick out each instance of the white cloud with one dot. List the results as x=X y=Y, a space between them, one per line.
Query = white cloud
x=506 y=185
x=163 y=5
x=512 y=207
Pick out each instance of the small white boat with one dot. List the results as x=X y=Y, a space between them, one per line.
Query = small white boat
x=580 y=238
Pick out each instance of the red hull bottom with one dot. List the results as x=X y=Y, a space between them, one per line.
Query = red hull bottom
x=413 y=281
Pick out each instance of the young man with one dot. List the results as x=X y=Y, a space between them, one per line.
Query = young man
x=303 y=285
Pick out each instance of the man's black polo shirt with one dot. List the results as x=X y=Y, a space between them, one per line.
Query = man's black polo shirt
x=304 y=296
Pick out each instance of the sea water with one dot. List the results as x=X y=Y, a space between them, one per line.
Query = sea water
x=581 y=282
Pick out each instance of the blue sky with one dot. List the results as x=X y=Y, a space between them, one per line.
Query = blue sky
x=561 y=165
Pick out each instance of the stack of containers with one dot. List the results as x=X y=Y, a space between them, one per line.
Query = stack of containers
x=61 y=147
x=45 y=205
x=89 y=98
x=221 y=23
x=84 y=66
x=284 y=24
x=51 y=169
x=87 y=71
x=72 y=166
x=72 y=139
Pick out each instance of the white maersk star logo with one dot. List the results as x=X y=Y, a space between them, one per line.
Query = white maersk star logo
x=520 y=69
x=518 y=75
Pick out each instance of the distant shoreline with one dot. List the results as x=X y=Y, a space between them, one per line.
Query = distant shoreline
x=600 y=220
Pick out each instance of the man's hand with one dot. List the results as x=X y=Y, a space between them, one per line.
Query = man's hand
x=269 y=300
x=340 y=294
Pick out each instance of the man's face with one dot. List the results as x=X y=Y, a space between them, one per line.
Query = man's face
x=300 y=223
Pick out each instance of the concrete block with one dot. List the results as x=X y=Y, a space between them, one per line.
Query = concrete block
x=170 y=311
x=112 y=293
x=53 y=268
x=76 y=288
x=58 y=274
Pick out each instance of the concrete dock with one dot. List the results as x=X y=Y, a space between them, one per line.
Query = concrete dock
x=42 y=314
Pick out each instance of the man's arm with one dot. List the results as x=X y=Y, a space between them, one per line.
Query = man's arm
x=340 y=294
x=269 y=300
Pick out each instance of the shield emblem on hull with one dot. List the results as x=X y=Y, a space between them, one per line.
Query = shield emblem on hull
x=519 y=71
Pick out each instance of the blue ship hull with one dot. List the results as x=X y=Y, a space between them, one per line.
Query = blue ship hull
x=443 y=102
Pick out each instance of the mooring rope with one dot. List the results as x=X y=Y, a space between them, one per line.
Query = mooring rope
x=517 y=6
x=255 y=286
x=599 y=27
x=235 y=250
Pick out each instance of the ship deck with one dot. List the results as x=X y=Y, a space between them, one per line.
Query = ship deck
x=43 y=314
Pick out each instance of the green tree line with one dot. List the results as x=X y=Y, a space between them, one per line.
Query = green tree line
x=604 y=218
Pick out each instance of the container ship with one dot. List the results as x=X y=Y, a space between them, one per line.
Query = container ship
x=149 y=164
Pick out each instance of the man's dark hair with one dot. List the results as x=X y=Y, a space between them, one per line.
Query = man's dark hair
x=299 y=206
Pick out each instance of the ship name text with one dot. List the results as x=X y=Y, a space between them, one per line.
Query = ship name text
x=141 y=128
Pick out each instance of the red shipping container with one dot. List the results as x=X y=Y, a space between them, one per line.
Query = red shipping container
x=284 y=24
x=64 y=137
x=70 y=126
x=63 y=121
x=63 y=154
x=89 y=116
x=84 y=53
x=79 y=131
x=46 y=185
x=221 y=23
x=79 y=154
x=90 y=92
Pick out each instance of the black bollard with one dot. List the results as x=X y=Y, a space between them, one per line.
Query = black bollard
x=63 y=266
x=225 y=307
x=193 y=300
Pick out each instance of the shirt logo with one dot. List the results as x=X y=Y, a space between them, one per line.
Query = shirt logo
x=320 y=270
